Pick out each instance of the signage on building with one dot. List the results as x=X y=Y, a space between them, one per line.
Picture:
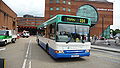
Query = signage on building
x=102 y=9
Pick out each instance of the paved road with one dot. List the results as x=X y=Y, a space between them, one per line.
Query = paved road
x=25 y=53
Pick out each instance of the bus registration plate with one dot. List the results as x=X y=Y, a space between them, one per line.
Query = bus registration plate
x=74 y=55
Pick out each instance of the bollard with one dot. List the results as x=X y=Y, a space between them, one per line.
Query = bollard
x=2 y=63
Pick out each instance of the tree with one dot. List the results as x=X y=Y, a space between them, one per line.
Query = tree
x=114 y=32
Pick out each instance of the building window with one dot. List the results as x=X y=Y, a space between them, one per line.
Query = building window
x=57 y=8
x=51 y=1
x=64 y=9
x=64 y=1
x=69 y=3
x=57 y=1
x=51 y=15
x=51 y=8
x=69 y=9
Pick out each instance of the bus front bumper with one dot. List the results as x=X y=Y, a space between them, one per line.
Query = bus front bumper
x=62 y=55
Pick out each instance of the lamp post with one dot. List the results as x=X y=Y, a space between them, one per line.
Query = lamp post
x=35 y=25
x=103 y=26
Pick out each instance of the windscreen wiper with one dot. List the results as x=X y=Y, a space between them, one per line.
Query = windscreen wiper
x=69 y=39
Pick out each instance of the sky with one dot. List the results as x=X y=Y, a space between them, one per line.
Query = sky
x=22 y=7
x=36 y=8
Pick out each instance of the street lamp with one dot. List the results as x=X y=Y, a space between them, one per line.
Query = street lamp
x=103 y=25
x=35 y=24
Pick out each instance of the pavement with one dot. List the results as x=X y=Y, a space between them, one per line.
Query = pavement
x=108 y=45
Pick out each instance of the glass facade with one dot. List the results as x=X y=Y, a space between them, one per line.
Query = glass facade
x=51 y=15
x=69 y=3
x=57 y=1
x=106 y=33
x=51 y=1
x=69 y=9
x=64 y=1
x=64 y=9
x=88 y=11
x=57 y=8
x=51 y=8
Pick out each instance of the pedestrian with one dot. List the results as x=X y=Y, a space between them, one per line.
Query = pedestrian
x=117 y=40
x=107 y=42
x=94 y=39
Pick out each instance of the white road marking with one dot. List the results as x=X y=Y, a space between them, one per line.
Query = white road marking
x=29 y=64
x=30 y=58
x=24 y=63
x=28 y=48
x=26 y=56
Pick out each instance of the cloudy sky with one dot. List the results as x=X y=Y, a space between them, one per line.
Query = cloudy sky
x=36 y=8
x=22 y=7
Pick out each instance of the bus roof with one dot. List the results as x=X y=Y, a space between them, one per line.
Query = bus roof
x=67 y=19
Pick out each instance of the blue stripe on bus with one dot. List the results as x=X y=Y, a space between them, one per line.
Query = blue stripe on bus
x=67 y=55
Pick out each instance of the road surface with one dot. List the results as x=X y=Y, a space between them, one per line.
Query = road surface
x=25 y=53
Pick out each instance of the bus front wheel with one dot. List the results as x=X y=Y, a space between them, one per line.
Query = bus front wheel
x=5 y=43
x=13 y=40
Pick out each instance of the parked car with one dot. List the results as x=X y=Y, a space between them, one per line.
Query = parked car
x=7 y=36
x=25 y=34
x=117 y=35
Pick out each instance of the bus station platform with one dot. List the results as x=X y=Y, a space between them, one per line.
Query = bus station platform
x=108 y=45
x=105 y=48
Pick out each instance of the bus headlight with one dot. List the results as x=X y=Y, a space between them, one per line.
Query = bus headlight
x=59 y=51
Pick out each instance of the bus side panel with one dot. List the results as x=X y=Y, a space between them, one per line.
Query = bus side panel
x=42 y=42
x=43 y=45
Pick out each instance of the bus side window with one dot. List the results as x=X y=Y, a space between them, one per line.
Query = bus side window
x=52 y=31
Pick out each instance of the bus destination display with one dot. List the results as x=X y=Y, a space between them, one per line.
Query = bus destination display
x=74 y=19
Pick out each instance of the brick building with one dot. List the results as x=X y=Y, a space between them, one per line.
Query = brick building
x=7 y=17
x=29 y=23
x=101 y=10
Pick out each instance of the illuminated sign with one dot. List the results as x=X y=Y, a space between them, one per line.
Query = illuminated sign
x=74 y=19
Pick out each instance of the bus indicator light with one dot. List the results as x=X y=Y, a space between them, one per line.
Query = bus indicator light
x=56 y=51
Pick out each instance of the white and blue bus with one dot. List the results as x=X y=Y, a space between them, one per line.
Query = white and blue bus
x=65 y=36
